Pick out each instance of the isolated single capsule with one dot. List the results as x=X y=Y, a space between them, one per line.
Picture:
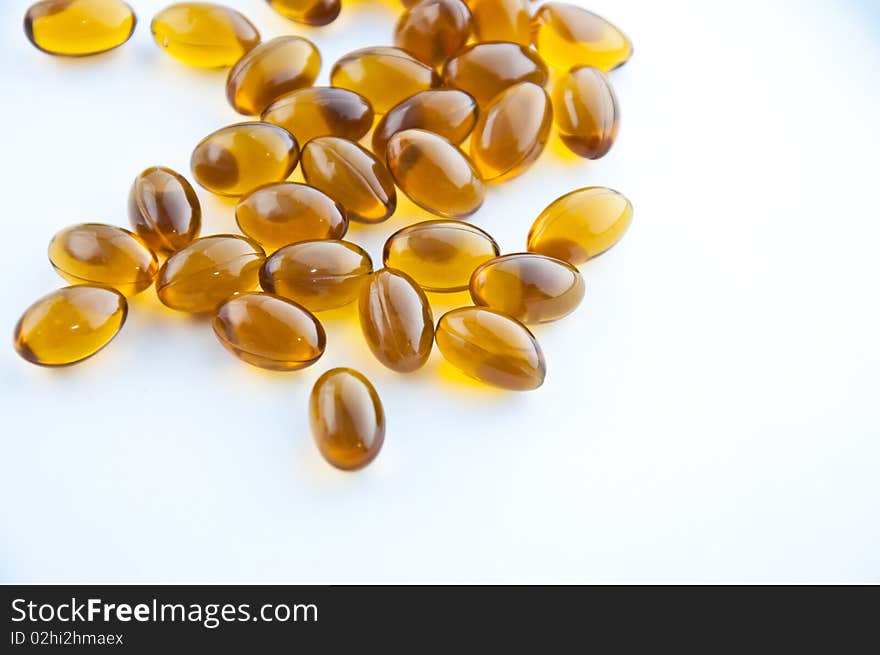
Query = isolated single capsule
x=319 y=275
x=269 y=332
x=270 y=70
x=76 y=28
x=586 y=112
x=352 y=176
x=434 y=30
x=512 y=131
x=321 y=111
x=567 y=36
x=347 y=419
x=485 y=69
x=238 y=158
x=208 y=271
x=502 y=20
x=435 y=174
x=310 y=12
x=164 y=210
x=383 y=75
x=69 y=325
x=492 y=348
x=448 y=112
x=204 y=34
x=286 y=212
x=396 y=320
x=94 y=253
x=439 y=255
x=529 y=287
x=581 y=225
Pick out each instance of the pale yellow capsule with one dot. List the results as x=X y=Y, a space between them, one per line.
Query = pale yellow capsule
x=204 y=34
x=581 y=225
x=76 y=28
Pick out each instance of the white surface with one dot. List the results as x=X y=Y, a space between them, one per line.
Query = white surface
x=710 y=414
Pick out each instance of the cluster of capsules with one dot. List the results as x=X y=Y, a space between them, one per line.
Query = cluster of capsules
x=459 y=72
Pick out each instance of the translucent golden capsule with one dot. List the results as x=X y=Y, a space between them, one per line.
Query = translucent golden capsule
x=69 y=325
x=502 y=20
x=581 y=225
x=439 y=255
x=347 y=419
x=352 y=176
x=319 y=275
x=204 y=34
x=269 y=332
x=94 y=253
x=434 y=30
x=586 y=112
x=76 y=28
x=270 y=70
x=163 y=210
x=435 y=174
x=321 y=111
x=448 y=112
x=529 y=287
x=512 y=131
x=492 y=348
x=286 y=212
x=396 y=320
x=310 y=12
x=384 y=76
x=208 y=271
x=238 y=158
x=567 y=36
x=485 y=69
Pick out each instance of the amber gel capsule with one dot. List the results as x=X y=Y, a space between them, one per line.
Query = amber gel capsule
x=383 y=75
x=485 y=69
x=319 y=275
x=567 y=36
x=347 y=419
x=321 y=111
x=270 y=70
x=448 y=112
x=581 y=225
x=94 y=253
x=163 y=210
x=204 y=34
x=435 y=174
x=76 y=28
x=439 y=255
x=238 y=158
x=434 y=30
x=310 y=12
x=529 y=287
x=269 y=332
x=286 y=212
x=586 y=112
x=69 y=325
x=396 y=320
x=502 y=20
x=208 y=271
x=512 y=131
x=492 y=348
x=352 y=176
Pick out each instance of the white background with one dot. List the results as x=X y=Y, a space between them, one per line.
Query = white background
x=711 y=412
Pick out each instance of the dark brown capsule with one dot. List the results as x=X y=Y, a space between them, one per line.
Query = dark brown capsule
x=164 y=210
x=434 y=30
x=448 y=112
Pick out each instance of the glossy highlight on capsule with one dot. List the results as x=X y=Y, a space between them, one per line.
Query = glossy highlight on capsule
x=164 y=210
